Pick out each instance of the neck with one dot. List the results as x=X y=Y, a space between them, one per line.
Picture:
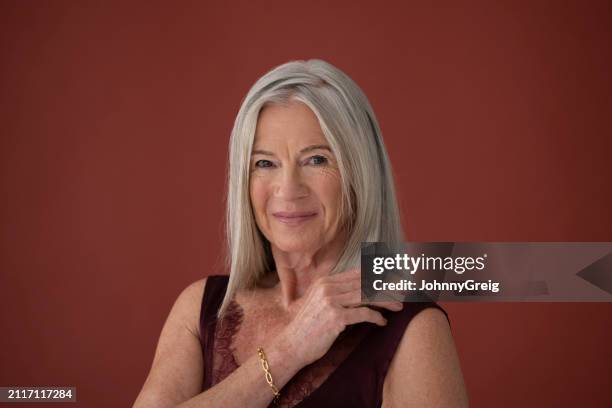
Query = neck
x=297 y=271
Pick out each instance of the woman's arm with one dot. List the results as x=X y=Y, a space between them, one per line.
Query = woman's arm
x=177 y=371
x=425 y=370
x=330 y=305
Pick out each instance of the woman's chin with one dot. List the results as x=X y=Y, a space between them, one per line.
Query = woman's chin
x=296 y=245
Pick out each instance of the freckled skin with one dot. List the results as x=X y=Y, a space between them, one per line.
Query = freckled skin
x=262 y=321
x=295 y=171
x=289 y=180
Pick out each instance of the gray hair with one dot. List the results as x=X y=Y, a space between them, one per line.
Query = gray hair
x=350 y=127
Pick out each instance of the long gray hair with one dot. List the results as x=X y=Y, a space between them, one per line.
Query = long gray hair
x=350 y=127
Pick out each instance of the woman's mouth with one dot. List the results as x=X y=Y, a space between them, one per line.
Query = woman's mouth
x=294 y=218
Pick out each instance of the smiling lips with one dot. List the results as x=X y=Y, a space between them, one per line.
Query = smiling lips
x=294 y=218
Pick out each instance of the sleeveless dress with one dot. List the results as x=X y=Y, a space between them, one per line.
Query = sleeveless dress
x=350 y=374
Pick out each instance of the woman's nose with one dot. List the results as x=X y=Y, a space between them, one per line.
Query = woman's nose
x=290 y=184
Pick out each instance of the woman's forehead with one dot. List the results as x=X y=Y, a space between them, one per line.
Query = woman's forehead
x=295 y=124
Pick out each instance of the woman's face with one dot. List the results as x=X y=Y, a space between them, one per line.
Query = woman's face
x=294 y=182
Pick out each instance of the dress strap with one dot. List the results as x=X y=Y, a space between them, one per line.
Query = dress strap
x=214 y=291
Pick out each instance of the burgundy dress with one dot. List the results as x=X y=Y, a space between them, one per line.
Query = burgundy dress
x=350 y=374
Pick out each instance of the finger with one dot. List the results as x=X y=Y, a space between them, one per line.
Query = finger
x=350 y=286
x=363 y=314
x=350 y=274
x=340 y=287
x=391 y=305
x=353 y=299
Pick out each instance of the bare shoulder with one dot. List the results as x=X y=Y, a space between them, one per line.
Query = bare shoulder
x=177 y=369
x=425 y=370
x=188 y=305
x=429 y=324
x=194 y=291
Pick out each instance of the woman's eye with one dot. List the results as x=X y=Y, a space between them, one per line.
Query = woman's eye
x=318 y=160
x=263 y=163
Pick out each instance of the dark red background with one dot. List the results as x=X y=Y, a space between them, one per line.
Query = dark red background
x=114 y=122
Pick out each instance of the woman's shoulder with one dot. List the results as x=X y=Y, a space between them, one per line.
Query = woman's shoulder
x=427 y=352
x=194 y=292
x=414 y=317
x=429 y=321
x=188 y=304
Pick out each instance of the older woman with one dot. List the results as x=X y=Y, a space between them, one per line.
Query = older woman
x=309 y=180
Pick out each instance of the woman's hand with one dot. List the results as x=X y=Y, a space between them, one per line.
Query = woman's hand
x=330 y=305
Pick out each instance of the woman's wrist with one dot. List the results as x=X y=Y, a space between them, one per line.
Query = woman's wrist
x=283 y=361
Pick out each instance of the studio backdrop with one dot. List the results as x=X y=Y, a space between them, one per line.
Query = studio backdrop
x=114 y=125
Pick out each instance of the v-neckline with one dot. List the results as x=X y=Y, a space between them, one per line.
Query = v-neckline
x=342 y=366
x=351 y=355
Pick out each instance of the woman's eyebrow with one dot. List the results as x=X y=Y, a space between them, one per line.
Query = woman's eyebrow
x=315 y=147
x=304 y=150
x=264 y=152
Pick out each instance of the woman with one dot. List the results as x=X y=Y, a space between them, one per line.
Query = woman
x=309 y=180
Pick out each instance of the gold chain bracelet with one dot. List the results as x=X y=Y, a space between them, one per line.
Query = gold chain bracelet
x=266 y=368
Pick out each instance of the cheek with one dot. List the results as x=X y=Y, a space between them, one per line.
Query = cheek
x=257 y=191
x=330 y=193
